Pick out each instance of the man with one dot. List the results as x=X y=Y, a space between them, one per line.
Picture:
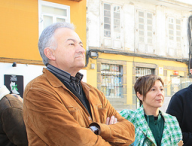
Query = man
x=60 y=109
x=180 y=107
x=12 y=127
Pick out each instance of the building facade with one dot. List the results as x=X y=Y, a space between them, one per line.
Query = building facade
x=21 y=25
x=130 y=38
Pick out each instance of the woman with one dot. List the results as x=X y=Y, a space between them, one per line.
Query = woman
x=152 y=126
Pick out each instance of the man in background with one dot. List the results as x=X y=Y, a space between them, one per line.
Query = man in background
x=180 y=106
x=12 y=127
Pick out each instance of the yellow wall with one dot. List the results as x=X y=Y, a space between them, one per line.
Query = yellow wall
x=129 y=82
x=19 y=27
x=92 y=74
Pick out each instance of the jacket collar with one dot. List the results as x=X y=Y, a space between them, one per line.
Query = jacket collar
x=142 y=124
x=55 y=82
x=52 y=79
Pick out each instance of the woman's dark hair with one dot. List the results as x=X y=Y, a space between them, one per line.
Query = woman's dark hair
x=145 y=83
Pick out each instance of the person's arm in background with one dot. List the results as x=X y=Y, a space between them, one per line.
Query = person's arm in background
x=13 y=125
x=175 y=108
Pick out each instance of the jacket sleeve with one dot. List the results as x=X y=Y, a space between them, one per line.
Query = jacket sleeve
x=14 y=127
x=122 y=133
x=48 y=122
x=175 y=108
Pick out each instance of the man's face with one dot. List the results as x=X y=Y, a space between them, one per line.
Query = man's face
x=70 y=54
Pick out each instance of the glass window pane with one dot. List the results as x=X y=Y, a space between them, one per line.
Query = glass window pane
x=107 y=33
x=178 y=33
x=141 y=20
x=107 y=20
x=178 y=27
x=107 y=13
x=116 y=9
x=141 y=39
x=149 y=33
x=141 y=32
x=55 y=11
x=60 y=20
x=149 y=15
x=149 y=28
x=149 y=40
x=116 y=28
x=149 y=21
x=171 y=20
x=178 y=21
x=178 y=39
x=170 y=37
x=170 y=32
x=117 y=35
x=141 y=14
x=141 y=26
x=47 y=20
x=107 y=26
x=111 y=80
x=107 y=6
x=170 y=26
x=116 y=22
x=117 y=15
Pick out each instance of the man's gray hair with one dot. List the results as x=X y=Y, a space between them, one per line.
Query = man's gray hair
x=47 y=38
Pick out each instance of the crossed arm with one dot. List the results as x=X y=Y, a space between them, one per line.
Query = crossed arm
x=48 y=120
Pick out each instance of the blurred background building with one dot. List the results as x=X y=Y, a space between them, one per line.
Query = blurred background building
x=124 y=40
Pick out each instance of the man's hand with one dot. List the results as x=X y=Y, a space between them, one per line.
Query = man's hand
x=111 y=120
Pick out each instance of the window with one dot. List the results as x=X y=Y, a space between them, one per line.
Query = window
x=111 y=80
x=112 y=26
x=51 y=12
x=174 y=31
x=174 y=36
x=144 y=38
x=145 y=25
x=112 y=21
x=141 y=71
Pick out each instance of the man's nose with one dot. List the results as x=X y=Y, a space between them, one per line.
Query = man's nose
x=81 y=49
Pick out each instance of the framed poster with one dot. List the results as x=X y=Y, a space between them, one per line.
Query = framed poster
x=14 y=83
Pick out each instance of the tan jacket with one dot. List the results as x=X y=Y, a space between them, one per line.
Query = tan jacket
x=54 y=116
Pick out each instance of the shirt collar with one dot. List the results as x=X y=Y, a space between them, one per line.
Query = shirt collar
x=64 y=75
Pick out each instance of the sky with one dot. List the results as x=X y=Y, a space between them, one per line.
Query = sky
x=185 y=1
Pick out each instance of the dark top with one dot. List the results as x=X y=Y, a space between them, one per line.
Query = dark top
x=156 y=124
x=180 y=106
x=12 y=127
x=72 y=83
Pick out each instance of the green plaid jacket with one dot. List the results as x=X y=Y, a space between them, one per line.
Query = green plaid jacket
x=143 y=135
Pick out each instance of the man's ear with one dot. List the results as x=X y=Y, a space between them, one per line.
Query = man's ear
x=49 y=53
x=140 y=96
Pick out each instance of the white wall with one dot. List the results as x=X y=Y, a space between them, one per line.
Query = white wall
x=161 y=12
x=28 y=71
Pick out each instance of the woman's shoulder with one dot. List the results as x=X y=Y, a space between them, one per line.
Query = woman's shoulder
x=168 y=116
x=129 y=114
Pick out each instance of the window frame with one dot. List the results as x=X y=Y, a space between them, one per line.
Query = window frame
x=53 y=5
x=116 y=40
x=145 y=46
x=174 y=46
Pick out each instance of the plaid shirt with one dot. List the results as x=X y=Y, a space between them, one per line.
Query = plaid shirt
x=143 y=135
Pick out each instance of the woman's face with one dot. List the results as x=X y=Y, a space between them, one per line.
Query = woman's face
x=155 y=96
